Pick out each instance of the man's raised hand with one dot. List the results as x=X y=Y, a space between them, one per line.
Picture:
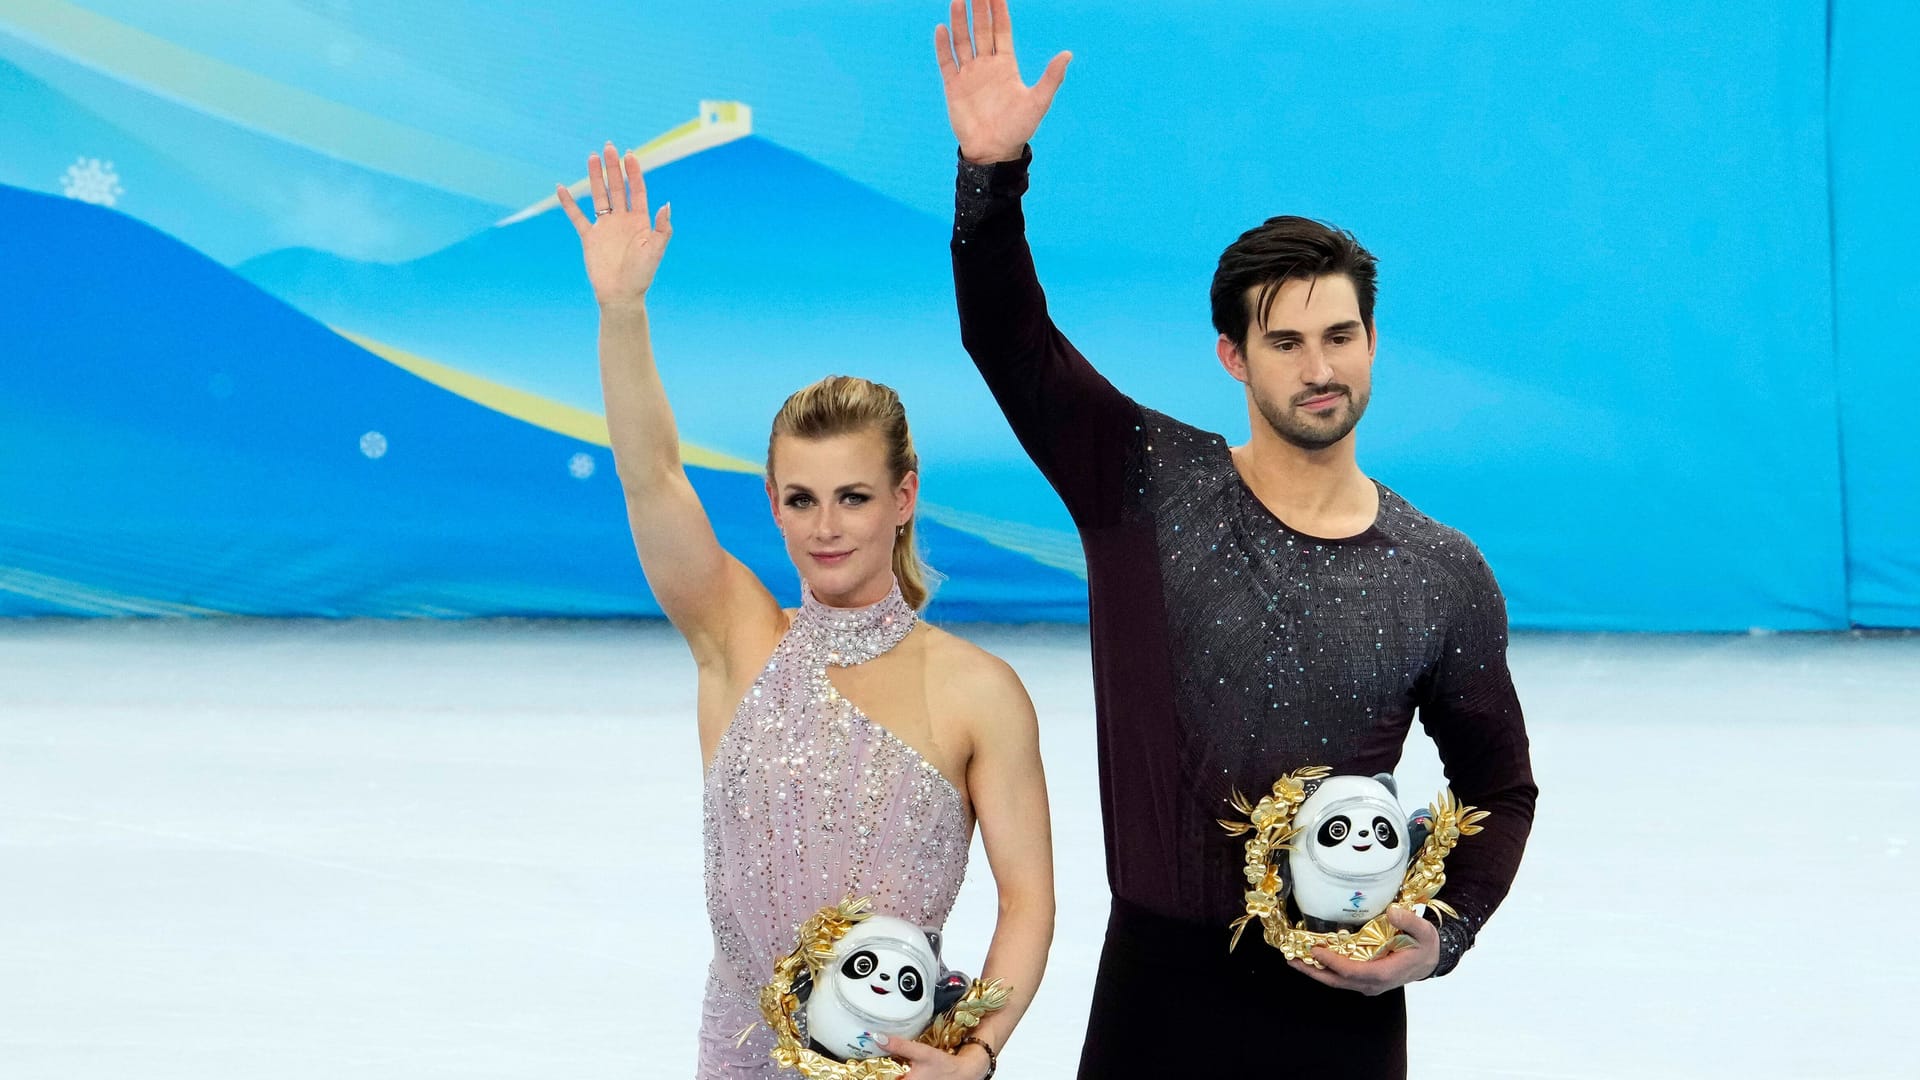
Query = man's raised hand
x=993 y=113
x=621 y=242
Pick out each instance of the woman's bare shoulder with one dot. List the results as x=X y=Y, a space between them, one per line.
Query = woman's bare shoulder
x=978 y=680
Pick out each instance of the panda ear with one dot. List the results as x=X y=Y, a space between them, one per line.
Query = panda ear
x=1386 y=781
x=934 y=939
x=802 y=987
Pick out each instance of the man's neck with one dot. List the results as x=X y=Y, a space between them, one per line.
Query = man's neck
x=1316 y=492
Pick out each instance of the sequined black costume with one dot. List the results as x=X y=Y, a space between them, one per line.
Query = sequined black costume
x=1228 y=649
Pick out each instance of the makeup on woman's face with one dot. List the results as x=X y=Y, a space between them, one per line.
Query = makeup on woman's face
x=839 y=513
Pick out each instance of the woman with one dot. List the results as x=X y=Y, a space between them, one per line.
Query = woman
x=850 y=748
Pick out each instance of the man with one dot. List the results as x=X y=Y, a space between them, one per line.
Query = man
x=1254 y=609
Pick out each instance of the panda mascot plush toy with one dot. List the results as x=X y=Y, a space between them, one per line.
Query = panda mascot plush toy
x=885 y=978
x=1350 y=855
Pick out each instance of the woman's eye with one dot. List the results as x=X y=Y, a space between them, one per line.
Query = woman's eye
x=856 y=499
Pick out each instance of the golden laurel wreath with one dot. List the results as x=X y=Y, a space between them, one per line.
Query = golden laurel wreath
x=780 y=1005
x=1271 y=823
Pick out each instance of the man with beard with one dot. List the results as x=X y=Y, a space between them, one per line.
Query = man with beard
x=1254 y=609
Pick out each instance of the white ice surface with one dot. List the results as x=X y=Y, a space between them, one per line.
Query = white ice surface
x=314 y=851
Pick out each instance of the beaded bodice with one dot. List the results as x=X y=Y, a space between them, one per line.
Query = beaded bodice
x=808 y=800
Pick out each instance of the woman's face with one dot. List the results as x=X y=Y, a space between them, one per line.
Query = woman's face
x=839 y=512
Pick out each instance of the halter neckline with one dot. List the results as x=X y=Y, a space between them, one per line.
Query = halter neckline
x=849 y=636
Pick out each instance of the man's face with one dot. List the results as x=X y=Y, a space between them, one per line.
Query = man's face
x=1310 y=371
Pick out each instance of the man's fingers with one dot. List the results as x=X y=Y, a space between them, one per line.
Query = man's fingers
x=636 y=183
x=1419 y=929
x=574 y=214
x=1316 y=974
x=1340 y=965
x=962 y=39
x=1051 y=78
x=1002 y=27
x=943 y=52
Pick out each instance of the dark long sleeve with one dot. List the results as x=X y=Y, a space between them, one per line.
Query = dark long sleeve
x=1473 y=716
x=1070 y=420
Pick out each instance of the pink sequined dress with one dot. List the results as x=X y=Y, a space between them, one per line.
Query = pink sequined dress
x=809 y=801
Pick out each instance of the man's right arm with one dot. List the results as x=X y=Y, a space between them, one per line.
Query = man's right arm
x=1072 y=422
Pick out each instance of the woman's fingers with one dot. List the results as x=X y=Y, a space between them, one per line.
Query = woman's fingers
x=581 y=223
x=616 y=183
x=597 y=182
x=636 y=183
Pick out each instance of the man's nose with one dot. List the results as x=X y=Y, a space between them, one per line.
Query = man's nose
x=1314 y=368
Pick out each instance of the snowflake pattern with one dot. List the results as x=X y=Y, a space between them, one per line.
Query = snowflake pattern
x=580 y=465
x=374 y=445
x=92 y=181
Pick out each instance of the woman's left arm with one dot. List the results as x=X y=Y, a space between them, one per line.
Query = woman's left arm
x=1008 y=790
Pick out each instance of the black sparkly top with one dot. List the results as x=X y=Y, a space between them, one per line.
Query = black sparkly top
x=1228 y=648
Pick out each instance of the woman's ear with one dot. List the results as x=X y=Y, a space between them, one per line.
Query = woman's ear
x=907 y=495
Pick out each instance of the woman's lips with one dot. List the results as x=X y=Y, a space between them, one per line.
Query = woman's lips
x=830 y=558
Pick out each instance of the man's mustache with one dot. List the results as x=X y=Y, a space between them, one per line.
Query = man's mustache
x=1322 y=391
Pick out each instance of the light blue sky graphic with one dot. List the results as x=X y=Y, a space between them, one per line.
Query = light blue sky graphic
x=1607 y=233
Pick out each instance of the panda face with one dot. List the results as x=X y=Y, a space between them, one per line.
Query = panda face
x=882 y=982
x=1358 y=843
x=880 y=978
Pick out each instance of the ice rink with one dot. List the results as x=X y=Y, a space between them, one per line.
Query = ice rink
x=317 y=851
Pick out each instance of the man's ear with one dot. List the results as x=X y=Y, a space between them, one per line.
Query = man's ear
x=1231 y=358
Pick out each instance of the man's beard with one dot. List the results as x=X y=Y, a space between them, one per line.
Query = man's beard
x=1310 y=432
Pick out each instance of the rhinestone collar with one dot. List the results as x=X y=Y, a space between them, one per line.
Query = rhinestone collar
x=848 y=636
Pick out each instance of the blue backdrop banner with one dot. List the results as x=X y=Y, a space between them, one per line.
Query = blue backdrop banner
x=289 y=326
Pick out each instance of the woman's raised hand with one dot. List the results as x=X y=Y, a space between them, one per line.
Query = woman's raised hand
x=621 y=242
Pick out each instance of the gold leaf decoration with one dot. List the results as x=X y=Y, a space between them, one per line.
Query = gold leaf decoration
x=781 y=1006
x=1271 y=823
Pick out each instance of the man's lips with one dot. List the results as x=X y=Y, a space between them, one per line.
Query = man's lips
x=1324 y=401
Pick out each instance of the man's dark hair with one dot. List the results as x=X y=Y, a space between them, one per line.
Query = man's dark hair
x=1279 y=250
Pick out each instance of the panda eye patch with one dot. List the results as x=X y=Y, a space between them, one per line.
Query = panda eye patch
x=860 y=965
x=909 y=983
x=1334 y=830
x=1383 y=829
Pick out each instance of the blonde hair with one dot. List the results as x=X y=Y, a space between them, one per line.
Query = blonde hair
x=847 y=405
